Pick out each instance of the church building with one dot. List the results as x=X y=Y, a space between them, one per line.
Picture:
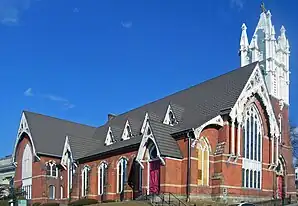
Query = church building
x=224 y=139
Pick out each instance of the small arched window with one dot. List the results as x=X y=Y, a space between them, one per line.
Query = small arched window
x=102 y=177
x=85 y=181
x=121 y=174
x=52 y=192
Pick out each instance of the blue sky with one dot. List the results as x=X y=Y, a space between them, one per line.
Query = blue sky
x=83 y=59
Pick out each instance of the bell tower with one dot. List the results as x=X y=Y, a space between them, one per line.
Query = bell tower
x=272 y=53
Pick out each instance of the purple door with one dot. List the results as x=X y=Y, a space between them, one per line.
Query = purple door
x=154 y=177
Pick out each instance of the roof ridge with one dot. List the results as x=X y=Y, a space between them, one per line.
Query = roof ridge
x=60 y=119
x=191 y=87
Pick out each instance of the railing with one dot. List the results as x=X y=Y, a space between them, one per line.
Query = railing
x=173 y=200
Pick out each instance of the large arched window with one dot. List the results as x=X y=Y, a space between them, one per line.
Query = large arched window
x=252 y=148
x=203 y=162
x=102 y=177
x=85 y=180
x=27 y=171
x=121 y=174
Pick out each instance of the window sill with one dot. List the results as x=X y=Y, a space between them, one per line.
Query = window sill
x=247 y=188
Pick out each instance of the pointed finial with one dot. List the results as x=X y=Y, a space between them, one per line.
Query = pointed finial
x=263 y=7
x=269 y=13
x=254 y=42
x=273 y=30
x=282 y=30
x=243 y=27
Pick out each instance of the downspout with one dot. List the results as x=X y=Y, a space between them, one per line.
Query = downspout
x=188 y=166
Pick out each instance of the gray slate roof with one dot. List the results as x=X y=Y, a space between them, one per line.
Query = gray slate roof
x=192 y=107
x=48 y=133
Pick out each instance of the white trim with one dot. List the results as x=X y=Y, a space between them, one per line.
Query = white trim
x=110 y=137
x=64 y=155
x=122 y=163
x=23 y=128
x=126 y=134
x=101 y=171
x=86 y=169
x=144 y=123
x=255 y=85
x=61 y=192
x=167 y=119
x=175 y=159
x=143 y=145
x=197 y=132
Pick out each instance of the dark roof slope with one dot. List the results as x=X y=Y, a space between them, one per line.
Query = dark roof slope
x=48 y=133
x=192 y=107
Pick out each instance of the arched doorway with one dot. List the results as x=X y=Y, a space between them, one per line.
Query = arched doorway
x=154 y=169
x=280 y=177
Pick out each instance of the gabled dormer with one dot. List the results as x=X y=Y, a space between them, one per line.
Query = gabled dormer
x=127 y=134
x=146 y=119
x=109 y=138
x=170 y=118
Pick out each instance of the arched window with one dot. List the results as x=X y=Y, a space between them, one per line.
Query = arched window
x=85 y=180
x=27 y=171
x=52 y=169
x=61 y=192
x=252 y=148
x=102 y=177
x=52 y=192
x=121 y=174
x=203 y=162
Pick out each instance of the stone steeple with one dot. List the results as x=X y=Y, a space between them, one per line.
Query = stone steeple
x=272 y=53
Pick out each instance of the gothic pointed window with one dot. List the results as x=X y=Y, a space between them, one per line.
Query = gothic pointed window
x=85 y=181
x=27 y=171
x=252 y=148
x=203 y=162
x=102 y=177
x=121 y=174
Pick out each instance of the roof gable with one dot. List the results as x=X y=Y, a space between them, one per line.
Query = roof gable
x=48 y=133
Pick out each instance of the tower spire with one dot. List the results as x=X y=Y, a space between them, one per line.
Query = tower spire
x=244 y=46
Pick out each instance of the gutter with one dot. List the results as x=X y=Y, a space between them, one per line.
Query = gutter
x=189 y=135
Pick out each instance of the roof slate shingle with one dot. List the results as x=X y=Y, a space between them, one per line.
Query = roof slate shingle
x=192 y=107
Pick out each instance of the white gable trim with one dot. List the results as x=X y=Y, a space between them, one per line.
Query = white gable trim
x=23 y=128
x=255 y=85
x=65 y=154
x=109 y=138
x=143 y=146
x=167 y=119
x=214 y=121
x=144 y=123
x=125 y=134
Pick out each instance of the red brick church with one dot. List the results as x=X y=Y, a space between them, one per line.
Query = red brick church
x=225 y=139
